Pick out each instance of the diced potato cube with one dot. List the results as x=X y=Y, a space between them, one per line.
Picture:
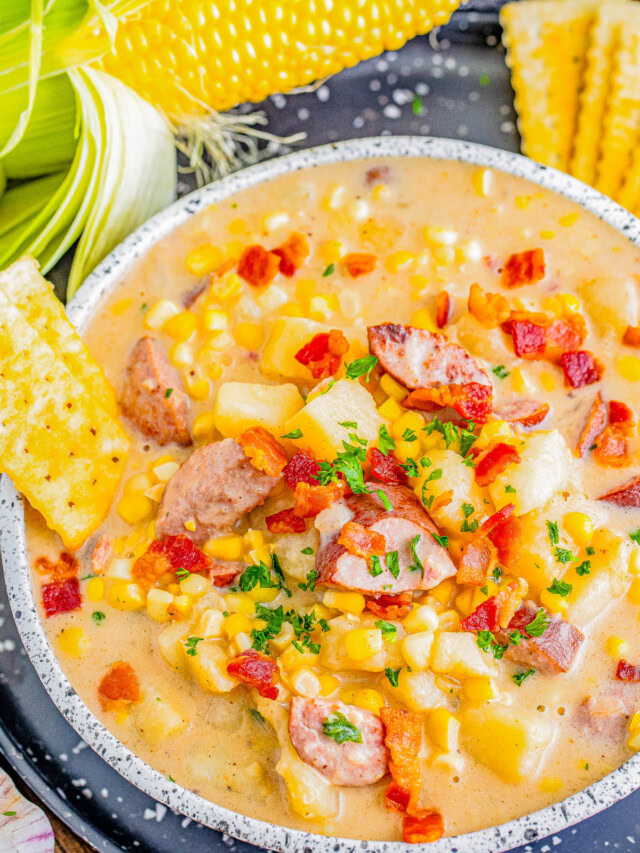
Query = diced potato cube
x=287 y=337
x=240 y=405
x=158 y=601
x=480 y=341
x=210 y=623
x=443 y=729
x=157 y=719
x=416 y=649
x=290 y=548
x=456 y=477
x=607 y=580
x=334 y=656
x=611 y=301
x=319 y=421
x=209 y=667
x=171 y=644
x=544 y=468
x=509 y=741
x=457 y=654
x=418 y=691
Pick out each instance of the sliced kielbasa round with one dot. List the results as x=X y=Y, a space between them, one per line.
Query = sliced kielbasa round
x=554 y=651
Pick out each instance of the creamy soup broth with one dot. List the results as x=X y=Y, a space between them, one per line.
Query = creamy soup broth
x=432 y=226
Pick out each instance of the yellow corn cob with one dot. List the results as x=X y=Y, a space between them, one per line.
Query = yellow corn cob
x=546 y=45
x=190 y=56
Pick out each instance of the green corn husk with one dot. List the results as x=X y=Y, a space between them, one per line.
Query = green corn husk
x=23 y=201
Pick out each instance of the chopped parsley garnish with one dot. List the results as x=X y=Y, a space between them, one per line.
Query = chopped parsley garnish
x=425 y=462
x=389 y=632
x=416 y=106
x=441 y=540
x=348 y=424
x=168 y=393
x=500 y=371
x=510 y=490
x=182 y=574
x=385 y=442
x=497 y=574
x=416 y=566
x=561 y=588
x=274 y=618
x=591 y=550
x=276 y=568
x=563 y=556
x=385 y=500
x=340 y=729
x=362 y=367
x=411 y=468
x=375 y=568
x=409 y=435
x=257 y=716
x=538 y=624
x=310 y=585
x=520 y=676
x=329 y=270
x=88 y=577
x=259 y=575
x=308 y=550
x=9 y=814
x=488 y=643
x=296 y=433
x=192 y=645
x=98 y=616
x=635 y=537
x=392 y=675
x=467 y=510
x=393 y=563
x=436 y=474
x=552 y=527
x=484 y=590
x=302 y=625
x=584 y=568
x=515 y=638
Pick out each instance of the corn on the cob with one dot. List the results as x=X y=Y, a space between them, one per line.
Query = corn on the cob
x=190 y=56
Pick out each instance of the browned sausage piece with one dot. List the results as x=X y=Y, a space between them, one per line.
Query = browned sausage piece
x=595 y=423
x=214 y=488
x=152 y=397
x=348 y=763
x=399 y=526
x=528 y=413
x=628 y=495
x=604 y=715
x=553 y=652
x=418 y=358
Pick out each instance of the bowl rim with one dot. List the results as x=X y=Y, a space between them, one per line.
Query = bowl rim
x=526 y=829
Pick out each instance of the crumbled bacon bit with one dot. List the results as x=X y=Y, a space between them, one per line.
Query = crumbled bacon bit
x=359 y=263
x=285 y=521
x=323 y=353
x=506 y=537
x=403 y=738
x=169 y=555
x=361 y=541
x=256 y=669
x=102 y=555
x=388 y=606
x=263 y=451
x=527 y=413
x=580 y=368
x=118 y=687
x=493 y=462
x=565 y=335
x=475 y=561
x=498 y=610
x=631 y=336
x=310 y=500
x=443 y=499
x=620 y=413
x=387 y=469
x=443 y=309
x=301 y=468
x=490 y=524
x=611 y=447
x=292 y=253
x=490 y=309
x=61 y=596
x=223 y=573
x=66 y=566
x=422 y=828
x=627 y=671
x=257 y=266
x=529 y=339
x=523 y=268
x=472 y=401
x=594 y=425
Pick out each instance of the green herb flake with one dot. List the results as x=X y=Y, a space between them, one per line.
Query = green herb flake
x=485 y=590
x=515 y=638
x=98 y=617
x=340 y=729
x=375 y=568
x=310 y=585
x=497 y=574
x=348 y=424
x=584 y=568
x=416 y=566
x=520 y=677
x=635 y=537
x=538 y=624
x=257 y=716
x=385 y=442
x=389 y=631
x=182 y=574
x=411 y=468
x=308 y=550
x=362 y=367
x=385 y=500
x=393 y=563
x=561 y=588
x=467 y=510
x=296 y=433
x=487 y=643
x=484 y=79
x=168 y=393
x=591 y=550
x=9 y=814
x=329 y=270
x=563 y=556
x=192 y=645
x=552 y=527
x=500 y=371
x=416 y=106
x=409 y=435
x=510 y=490
x=441 y=540
x=392 y=675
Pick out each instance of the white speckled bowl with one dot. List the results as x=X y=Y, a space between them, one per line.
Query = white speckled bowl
x=614 y=787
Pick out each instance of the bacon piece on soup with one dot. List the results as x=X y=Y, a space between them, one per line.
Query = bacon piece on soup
x=360 y=760
x=474 y=563
x=529 y=338
x=301 y=468
x=472 y=401
x=506 y=537
x=257 y=266
x=169 y=555
x=525 y=412
x=119 y=687
x=263 y=450
x=214 y=488
x=405 y=523
x=620 y=413
x=603 y=715
x=390 y=606
x=377 y=175
x=359 y=263
x=102 y=555
x=564 y=335
x=498 y=610
x=224 y=572
x=256 y=669
x=403 y=738
x=611 y=448
x=494 y=521
x=285 y=521
x=362 y=542
x=580 y=368
x=523 y=268
x=628 y=671
x=493 y=462
x=550 y=653
x=443 y=309
x=292 y=253
x=61 y=596
x=490 y=309
x=387 y=469
x=152 y=397
x=66 y=566
x=323 y=353
x=631 y=336
x=423 y=828
x=628 y=495
x=594 y=425
x=311 y=500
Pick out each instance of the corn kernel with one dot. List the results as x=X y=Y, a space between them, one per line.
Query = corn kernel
x=422 y=618
x=190 y=525
x=262 y=594
x=121 y=307
x=368 y=699
x=348 y=602
x=440 y=236
x=134 y=508
x=158 y=601
x=274 y=220
x=254 y=539
x=173 y=588
x=381 y=192
x=195 y=585
x=629 y=367
x=240 y=643
x=449 y=621
x=235 y=623
x=413 y=421
x=569 y=219
x=229 y=547
x=119 y=569
x=203 y=259
x=521 y=382
x=164 y=471
x=334 y=198
x=328 y=684
x=399 y=261
x=443 y=728
x=634 y=722
x=550 y=784
x=430 y=442
x=479 y=688
x=137 y=483
x=546 y=234
x=181 y=326
x=362 y=643
x=347 y=695
x=249 y=335
x=616 y=647
x=73 y=642
x=416 y=649
x=155 y=492
x=634 y=591
x=210 y=624
x=330 y=252
x=292 y=659
x=214 y=320
x=634 y=741
x=553 y=603
x=464 y=601
x=406 y=450
x=523 y=201
x=579 y=527
x=183 y=604
x=125 y=596
x=443 y=591
x=204 y=426
x=390 y=410
x=470 y=251
x=634 y=561
x=237 y=227
x=160 y=313
x=570 y=302
x=392 y=388
x=305 y=682
x=226 y=289
x=493 y=430
x=284 y=638
x=422 y=319
x=322 y=307
x=239 y=603
x=95 y=589
x=482 y=182
x=291 y=309
x=548 y=381
x=181 y=355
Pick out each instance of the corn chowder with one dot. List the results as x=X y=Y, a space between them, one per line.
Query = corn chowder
x=376 y=550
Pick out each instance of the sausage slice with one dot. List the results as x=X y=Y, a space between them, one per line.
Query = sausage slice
x=400 y=525
x=348 y=763
x=528 y=413
x=418 y=358
x=214 y=488
x=152 y=397
x=552 y=652
x=628 y=495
